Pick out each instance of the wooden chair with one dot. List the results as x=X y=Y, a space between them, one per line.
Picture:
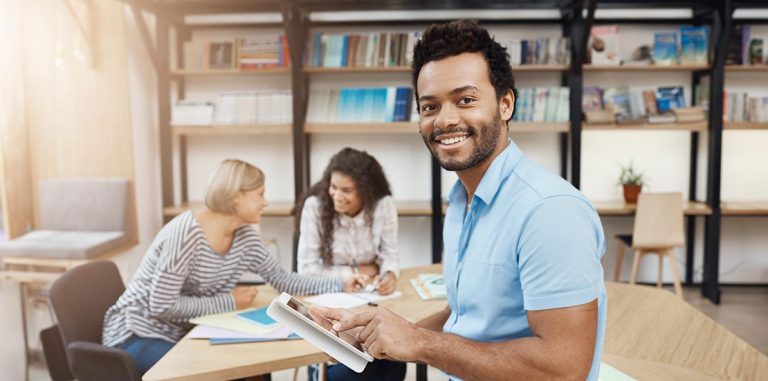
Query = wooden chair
x=658 y=230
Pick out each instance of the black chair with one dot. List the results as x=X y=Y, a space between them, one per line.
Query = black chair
x=80 y=298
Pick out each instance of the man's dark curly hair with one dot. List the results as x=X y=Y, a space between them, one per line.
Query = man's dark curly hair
x=464 y=36
x=372 y=185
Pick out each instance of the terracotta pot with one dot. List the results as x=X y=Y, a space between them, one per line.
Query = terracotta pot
x=631 y=192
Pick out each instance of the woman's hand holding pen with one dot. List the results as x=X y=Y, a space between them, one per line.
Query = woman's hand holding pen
x=386 y=283
x=244 y=296
x=356 y=282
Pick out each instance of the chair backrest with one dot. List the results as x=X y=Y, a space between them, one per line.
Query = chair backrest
x=658 y=221
x=81 y=297
x=84 y=204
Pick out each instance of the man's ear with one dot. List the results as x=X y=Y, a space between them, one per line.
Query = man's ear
x=507 y=105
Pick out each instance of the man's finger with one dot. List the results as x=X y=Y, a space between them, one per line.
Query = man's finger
x=365 y=332
x=330 y=313
x=360 y=320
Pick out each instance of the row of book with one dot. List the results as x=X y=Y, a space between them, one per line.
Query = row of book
x=236 y=108
x=386 y=49
x=743 y=107
x=349 y=105
x=623 y=104
x=543 y=51
x=692 y=47
x=262 y=52
x=543 y=104
x=743 y=49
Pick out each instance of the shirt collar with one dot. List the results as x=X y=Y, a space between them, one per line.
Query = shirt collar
x=348 y=221
x=496 y=173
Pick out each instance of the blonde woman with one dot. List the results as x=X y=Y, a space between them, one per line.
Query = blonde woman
x=194 y=263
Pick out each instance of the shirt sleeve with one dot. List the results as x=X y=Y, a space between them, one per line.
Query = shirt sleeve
x=309 y=259
x=165 y=298
x=268 y=267
x=388 y=258
x=559 y=253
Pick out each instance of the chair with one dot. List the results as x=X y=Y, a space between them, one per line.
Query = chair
x=658 y=230
x=80 y=298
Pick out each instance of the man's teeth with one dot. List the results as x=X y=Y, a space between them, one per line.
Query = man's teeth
x=455 y=140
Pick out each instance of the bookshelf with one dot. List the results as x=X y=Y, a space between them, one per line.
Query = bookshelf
x=745 y=208
x=405 y=208
x=232 y=130
x=574 y=24
x=208 y=72
x=645 y=68
x=620 y=208
x=693 y=126
x=745 y=126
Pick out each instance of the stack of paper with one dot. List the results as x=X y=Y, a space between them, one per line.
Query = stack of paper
x=430 y=286
x=247 y=326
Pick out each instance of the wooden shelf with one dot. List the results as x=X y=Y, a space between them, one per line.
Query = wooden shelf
x=362 y=128
x=406 y=69
x=334 y=70
x=620 y=208
x=645 y=67
x=744 y=208
x=200 y=72
x=412 y=127
x=273 y=209
x=746 y=68
x=533 y=127
x=745 y=126
x=405 y=208
x=258 y=129
x=693 y=126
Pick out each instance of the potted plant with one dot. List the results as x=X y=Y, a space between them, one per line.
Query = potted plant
x=632 y=181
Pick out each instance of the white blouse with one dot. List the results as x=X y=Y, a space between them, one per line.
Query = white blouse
x=352 y=239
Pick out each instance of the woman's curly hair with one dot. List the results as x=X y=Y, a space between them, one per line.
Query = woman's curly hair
x=464 y=36
x=371 y=183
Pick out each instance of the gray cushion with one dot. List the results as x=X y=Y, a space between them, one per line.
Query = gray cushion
x=84 y=204
x=63 y=244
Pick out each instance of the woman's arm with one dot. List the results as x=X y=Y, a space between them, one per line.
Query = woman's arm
x=388 y=258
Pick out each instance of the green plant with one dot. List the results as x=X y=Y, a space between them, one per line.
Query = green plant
x=630 y=176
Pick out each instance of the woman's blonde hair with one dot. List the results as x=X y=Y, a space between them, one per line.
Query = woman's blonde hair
x=232 y=177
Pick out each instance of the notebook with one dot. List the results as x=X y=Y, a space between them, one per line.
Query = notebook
x=429 y=286
x=257 y=316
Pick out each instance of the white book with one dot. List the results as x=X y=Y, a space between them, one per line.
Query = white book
x=540 y=104
x=564 y=105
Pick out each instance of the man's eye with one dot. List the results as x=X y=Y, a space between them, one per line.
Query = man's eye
x=428 y=108
x=466 y=100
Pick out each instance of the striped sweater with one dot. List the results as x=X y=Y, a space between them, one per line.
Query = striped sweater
x=181 y=277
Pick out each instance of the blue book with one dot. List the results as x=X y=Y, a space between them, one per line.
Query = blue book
x=665 y=48
x=344 y=49
x=670 y=97
x=402 y=103
x=694 y=44
x=258 y=316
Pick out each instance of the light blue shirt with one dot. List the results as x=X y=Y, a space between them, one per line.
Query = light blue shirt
x=529 y=241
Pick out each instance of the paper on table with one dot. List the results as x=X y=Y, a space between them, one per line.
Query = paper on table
x=349 y=300
x=609 y=373
x=230 y=321
x=208 y=332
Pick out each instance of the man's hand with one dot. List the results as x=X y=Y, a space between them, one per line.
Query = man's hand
x=384 y=335
x=321 y=315
x=244 y=296
x=385 y=285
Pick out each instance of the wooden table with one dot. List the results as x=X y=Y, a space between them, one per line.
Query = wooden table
x=651 y=335
x=197 y=360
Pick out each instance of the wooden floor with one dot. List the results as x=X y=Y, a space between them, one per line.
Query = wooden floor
x=744 y=311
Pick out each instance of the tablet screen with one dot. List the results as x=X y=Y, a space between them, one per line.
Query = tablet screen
x=322 y=321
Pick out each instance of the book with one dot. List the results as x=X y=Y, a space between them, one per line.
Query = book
x=663 y=118
x=257 y=316
x=665 y=48
x=694 y=44
x=604 y=45
x=430 y=286
x=756 y=51
x=669 y=97
x=592 y=99
x=616 y=100
x=191 y=113
x=733 y=48
x=219 y=55
x=649 y=100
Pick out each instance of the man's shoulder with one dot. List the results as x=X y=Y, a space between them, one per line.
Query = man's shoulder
x=540 y=184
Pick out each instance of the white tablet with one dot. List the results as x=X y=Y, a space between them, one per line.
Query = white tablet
x=318 y=330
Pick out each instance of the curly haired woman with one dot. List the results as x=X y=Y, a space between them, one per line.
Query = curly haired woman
x=349 y=224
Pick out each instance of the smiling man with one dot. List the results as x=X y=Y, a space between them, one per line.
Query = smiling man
x=526 y=298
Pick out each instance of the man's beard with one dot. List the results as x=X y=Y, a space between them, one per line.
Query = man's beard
x=489 y=136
